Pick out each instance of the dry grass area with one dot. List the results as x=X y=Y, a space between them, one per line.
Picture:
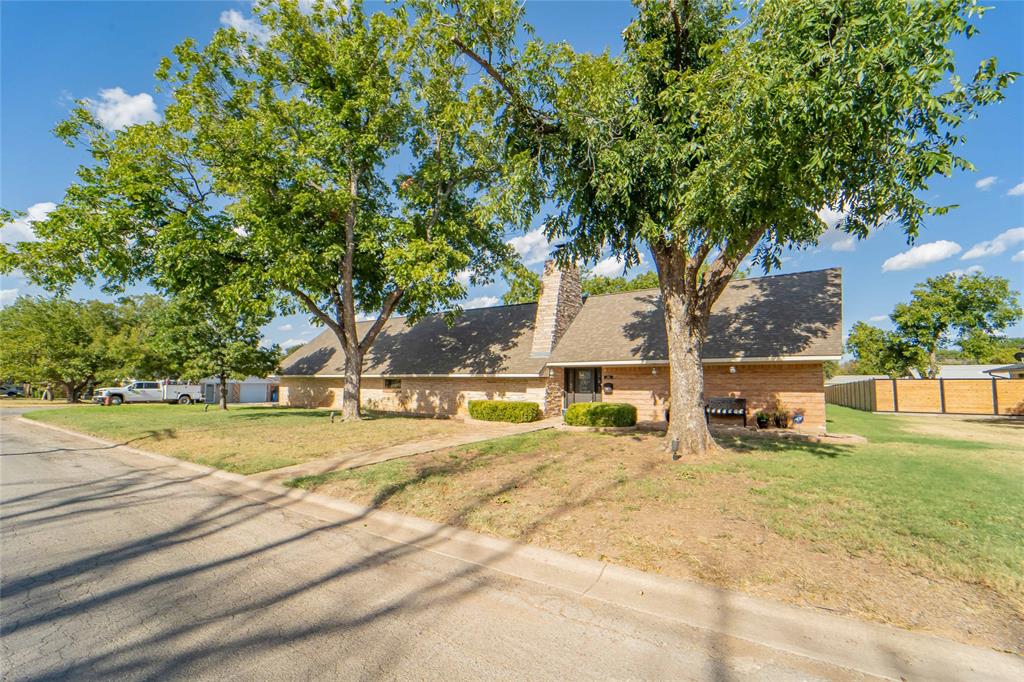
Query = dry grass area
x=244 y=439
x=922 y=528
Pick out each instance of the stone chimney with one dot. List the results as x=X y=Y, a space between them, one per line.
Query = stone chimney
x=561 y=297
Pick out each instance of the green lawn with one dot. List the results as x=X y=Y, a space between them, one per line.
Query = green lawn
x=905 y=529
x=242 y=439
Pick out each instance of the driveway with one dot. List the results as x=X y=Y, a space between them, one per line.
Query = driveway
x=116 y=565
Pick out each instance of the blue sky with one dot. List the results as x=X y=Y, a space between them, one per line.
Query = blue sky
x=54 y=52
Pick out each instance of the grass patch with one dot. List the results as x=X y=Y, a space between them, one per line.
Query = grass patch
x=244 y=439
x=905 y=529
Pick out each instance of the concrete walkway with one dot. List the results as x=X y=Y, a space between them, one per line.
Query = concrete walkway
x=474 y=432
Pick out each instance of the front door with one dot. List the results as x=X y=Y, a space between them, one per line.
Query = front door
x=582 y=385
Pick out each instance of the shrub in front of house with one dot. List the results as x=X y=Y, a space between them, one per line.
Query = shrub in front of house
x=512 y=411
x=600 y=414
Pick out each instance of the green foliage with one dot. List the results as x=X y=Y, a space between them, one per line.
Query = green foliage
x=710 y=139
x=967 y=311
x=80 y=343
x=512 y=411
x=944 y=311
x=595 y=285
x=523 y=286
x=877 y=351
x=340 y=163
x=830 y=368
x=600 y=414
x=207 y=338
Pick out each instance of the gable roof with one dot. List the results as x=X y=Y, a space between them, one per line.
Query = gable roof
x=781 y=316
x=482 y=341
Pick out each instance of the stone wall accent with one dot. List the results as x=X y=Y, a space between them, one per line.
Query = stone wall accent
x=561 y=297
x=554 y=393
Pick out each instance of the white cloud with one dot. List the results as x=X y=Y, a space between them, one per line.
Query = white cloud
x=7 y=296
x=1016 y=191
x=831 y=217
x=986 y=183
x=1018 y=257
x=922 y=255
x=532 y=247
x=288 y=343
x=463 y=278
x=834 y=238
x=995 y=246
x=232 y=18
x=878 y=318
x=481 y=302
x=973 y=270
x=287 y=327
x=117 y=109
x=611 y=266
x=20 y=230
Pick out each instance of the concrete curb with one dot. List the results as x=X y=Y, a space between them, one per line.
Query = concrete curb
x=868 y=648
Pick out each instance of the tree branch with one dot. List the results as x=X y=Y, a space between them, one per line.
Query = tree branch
x=389 y=307
x=515 y=97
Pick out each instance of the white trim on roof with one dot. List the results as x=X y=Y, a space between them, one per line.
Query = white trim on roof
x=707 y=361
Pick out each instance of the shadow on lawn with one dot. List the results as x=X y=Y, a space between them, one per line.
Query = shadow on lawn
x=193 y=559
x=778 y=445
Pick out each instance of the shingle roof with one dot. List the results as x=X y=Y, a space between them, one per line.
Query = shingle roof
x=760 y=317
x=482 y=341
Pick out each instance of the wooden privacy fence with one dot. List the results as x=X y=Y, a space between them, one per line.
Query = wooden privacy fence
x=938 y=396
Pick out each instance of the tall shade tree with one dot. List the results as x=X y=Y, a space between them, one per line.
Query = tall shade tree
x=334 y=157
x=75 y=344
x=877 y=351
x=711 y=140
x=208 y=338
x=965 y=311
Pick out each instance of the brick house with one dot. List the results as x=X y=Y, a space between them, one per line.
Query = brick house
x=767 y=339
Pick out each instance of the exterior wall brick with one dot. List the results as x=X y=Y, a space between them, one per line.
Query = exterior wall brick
x=441 y=396
x=310 y=392
x=799 y=387
x=640 y=387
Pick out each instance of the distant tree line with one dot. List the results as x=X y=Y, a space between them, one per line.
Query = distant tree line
x=79 y=345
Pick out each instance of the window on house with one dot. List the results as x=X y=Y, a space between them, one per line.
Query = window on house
x=392 y=383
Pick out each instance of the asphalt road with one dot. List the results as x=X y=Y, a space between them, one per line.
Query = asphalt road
x=117 y=566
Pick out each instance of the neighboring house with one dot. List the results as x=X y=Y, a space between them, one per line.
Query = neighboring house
x=962 y=372
x=766 y=342
x=1014 y=371
x=248 y=390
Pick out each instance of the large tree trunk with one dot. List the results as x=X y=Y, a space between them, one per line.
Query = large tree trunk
x=687 y=430
x=350 y=409
x=223 y=391
x=70 y=391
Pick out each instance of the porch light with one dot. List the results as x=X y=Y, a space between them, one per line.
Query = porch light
x=551 y=372
x=732 y=369
x=654 y=370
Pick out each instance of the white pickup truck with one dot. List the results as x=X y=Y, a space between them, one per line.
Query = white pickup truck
x=150 y=392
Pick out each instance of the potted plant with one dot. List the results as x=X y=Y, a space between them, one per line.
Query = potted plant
x=763 y=418
x=781 y=418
